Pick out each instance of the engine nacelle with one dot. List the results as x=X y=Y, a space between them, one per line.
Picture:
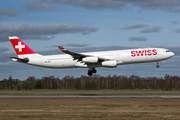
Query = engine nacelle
x=112 y=63
x=90 y=59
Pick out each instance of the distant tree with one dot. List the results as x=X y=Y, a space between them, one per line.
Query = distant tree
x=32 y=81
x=38 y=84
x=78 y=84
x=3 y=84
x=95 y=82
x=20 y=86
x=24 y=85
x=10 y=83
x=91 y=85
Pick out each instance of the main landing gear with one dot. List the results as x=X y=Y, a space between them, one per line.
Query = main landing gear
x=91 y=71
x=158 y=65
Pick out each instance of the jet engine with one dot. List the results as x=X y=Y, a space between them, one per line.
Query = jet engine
x=111 y=63
x=90 y=59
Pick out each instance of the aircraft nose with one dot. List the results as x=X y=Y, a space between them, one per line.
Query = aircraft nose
x=172 y=54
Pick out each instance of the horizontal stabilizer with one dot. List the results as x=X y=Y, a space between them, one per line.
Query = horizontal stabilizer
x=25 y=60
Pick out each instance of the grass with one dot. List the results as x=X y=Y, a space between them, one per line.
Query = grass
x=90 y=109
x=89 y=92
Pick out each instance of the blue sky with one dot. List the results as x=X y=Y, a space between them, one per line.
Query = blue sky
x=83 y=26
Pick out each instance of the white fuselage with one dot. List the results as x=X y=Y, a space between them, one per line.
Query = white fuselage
x=120 y=56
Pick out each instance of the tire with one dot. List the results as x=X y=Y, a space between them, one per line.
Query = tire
x=94 y=71
x=90 y=72
x=157 y=66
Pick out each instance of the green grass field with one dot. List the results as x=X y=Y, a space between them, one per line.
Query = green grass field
x=90 y=109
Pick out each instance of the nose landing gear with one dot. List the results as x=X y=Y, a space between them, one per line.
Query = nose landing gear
x=158 y=65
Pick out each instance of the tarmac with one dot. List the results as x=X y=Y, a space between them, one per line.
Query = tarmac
x=89 y=96
x=84 y=92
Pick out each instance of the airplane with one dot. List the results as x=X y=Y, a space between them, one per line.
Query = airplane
x=91 y=60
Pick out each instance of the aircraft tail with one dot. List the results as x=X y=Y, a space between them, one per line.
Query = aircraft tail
x=20 y=47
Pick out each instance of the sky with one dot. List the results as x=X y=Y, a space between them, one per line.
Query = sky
x=89 y=25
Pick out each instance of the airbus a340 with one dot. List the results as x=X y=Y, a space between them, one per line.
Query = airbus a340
x=91 y=60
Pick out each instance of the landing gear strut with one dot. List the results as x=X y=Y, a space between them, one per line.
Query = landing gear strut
x=158 y=65
x=91 y=71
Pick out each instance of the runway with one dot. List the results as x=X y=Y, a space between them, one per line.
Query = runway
x=89 y=92
x=89 y=96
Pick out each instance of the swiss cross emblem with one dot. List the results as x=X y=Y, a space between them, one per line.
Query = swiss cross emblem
x=19 y=46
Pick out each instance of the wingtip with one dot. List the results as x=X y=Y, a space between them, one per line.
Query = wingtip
x=61 y=48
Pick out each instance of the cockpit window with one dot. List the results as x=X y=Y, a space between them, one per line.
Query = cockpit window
x=167 y=50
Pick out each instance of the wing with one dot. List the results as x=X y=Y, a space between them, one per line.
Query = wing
x=79 y=56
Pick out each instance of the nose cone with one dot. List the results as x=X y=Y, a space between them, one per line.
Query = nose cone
x=171 y=54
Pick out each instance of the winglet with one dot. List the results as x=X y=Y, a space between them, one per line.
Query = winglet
x=61 y=48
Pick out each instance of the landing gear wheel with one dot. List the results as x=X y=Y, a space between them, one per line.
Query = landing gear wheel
x=90 y=72
x=157 y=66
x=94 y=71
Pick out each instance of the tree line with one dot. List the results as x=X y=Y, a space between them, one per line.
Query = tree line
x=95 y=82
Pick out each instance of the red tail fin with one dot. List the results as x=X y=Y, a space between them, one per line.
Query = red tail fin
x=20 y=47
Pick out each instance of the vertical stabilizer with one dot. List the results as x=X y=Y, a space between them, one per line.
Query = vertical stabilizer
x=20 y=47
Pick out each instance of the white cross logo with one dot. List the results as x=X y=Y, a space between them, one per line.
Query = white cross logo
x=19 y=46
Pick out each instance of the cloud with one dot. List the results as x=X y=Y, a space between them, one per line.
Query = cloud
x=137 y=26
x=177 y=30
x=3 y=49
x=42 y=32
x=166 y=5
x=7 y=12
x=137 y=39
x=71 y=45
x=94 y=4
x=4 y=56
x=39 y=5
x=77 y=45
x=153 y=29
x=2 y=19
x=175 y=22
